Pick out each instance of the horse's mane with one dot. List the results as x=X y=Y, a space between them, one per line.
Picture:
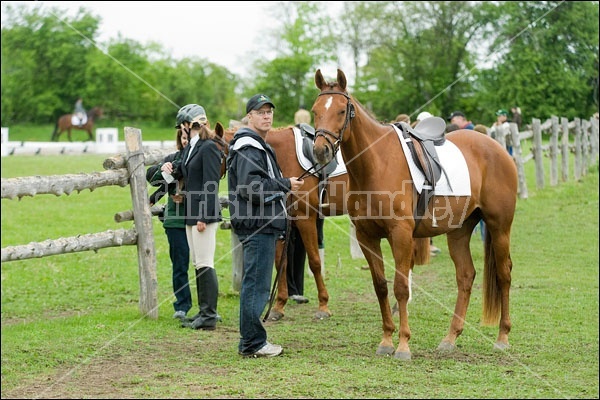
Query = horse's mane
x=280 y=129
x=366 y=110
x=272 y=130
x=335 y=86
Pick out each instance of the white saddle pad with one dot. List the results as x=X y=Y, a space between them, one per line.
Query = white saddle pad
x=75 y=120
x=452 y=161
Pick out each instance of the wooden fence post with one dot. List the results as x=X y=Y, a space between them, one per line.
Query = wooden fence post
x=565 y=148
x=594 y=139
x=518 y=157
x=578 y=157
x=538 y=153
x=148 y=303
x=554 y=152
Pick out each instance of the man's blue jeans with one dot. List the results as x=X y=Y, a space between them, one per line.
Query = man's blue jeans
x=259 y=258
x=180 y=260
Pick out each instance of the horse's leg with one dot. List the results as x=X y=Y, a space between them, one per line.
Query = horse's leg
x=89 y=132
x=497 y=279
x=460 y=252
x=69 y=134
x=54 y=134
x=308 y=232
x=371 y=248
x=277 y=312
x=402 y=245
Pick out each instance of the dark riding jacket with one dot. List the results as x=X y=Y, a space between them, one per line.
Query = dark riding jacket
x=174 y=214
x=256 y=189
x=202 y=173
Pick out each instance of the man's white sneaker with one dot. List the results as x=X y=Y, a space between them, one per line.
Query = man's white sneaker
x=268 y=350
x=299 y=299
x=180 y=315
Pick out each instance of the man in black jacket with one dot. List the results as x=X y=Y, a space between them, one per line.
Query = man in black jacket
x=257 y=193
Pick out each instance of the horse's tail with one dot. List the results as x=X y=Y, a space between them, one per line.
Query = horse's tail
x=492 y=296
x=422 y=254
x=54 y=134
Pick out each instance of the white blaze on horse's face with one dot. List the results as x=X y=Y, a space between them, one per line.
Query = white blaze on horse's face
x=328 y=103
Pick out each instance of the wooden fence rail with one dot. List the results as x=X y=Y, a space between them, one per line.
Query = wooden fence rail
x=128 y=169
x=130 y=172
x=585 y=147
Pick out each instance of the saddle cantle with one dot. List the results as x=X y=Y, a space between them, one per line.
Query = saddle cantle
x=421 y=141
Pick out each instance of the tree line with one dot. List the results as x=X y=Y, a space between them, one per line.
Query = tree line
x=402 y=57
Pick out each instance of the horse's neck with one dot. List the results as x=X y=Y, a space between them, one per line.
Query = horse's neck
x=370 y=150
x=361 y=147
x=283 y=143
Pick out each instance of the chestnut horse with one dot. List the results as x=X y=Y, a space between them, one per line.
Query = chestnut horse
x=304 y=208
x=383 y=196
x=65 y=123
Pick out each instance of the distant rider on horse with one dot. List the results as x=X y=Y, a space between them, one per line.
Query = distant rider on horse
x=80 y=112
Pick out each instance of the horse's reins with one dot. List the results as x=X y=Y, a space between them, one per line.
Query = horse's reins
x=288 y=229
x=350 y=114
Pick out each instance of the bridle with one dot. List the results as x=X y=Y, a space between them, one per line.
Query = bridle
x=222 y=145
x=350 y=114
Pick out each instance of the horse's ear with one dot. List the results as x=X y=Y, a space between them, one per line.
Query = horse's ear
x=219 y=129
x=319 y=81
x=341 y=78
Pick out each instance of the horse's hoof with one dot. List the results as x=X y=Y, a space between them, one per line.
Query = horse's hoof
x=446 y=346
x=384 y=351
x=499 y=346
x=322 y=315
x=402 y=355
x=275 y=315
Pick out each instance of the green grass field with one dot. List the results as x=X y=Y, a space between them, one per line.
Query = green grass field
x=71 y=327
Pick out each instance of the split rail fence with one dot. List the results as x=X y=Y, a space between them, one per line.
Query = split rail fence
x=129 y=169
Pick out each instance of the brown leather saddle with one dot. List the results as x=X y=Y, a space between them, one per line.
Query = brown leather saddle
x=422 y=141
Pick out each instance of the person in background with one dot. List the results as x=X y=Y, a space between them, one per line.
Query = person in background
x=459 y=118
x=296 y=252
x=402 y=118
x=516 y=116
x=451 y=127
x=80 y=112
x=501 y=121
x=174 y=225
x=302 y=116
x=201 y=169
x=257 y=198
x=481 y=129
x=296 y=260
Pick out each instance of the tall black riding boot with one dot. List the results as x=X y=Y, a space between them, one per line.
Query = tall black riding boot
x=207 y=286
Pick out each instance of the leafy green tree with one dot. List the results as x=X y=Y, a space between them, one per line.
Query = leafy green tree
x=43 y=62
x=546 y=60
x=304 y=42
x=424 y=59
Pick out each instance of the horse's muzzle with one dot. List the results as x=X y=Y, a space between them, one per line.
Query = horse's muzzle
x=323 y=154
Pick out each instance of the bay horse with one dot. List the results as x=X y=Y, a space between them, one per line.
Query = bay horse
x=65 y=123
x=383 y=196
x=304 y=208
